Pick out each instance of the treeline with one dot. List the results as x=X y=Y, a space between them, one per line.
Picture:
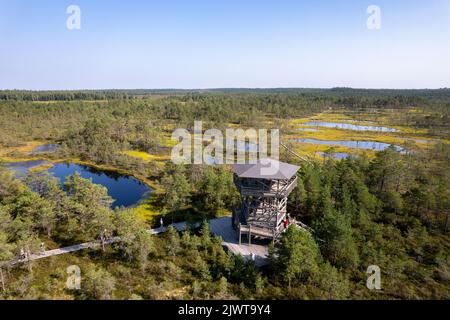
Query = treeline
x=28 y=120
x=39 y=211
x=40 y=208
x=218 y=107
x=19 y=95
x=391 y=211
x=139 y=119
x=61 y=95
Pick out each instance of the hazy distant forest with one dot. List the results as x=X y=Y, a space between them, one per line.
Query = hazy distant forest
x=390 y=209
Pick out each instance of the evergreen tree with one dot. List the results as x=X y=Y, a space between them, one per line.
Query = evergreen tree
x=135 y=242
x=332 y=283
x=298 y=198
x=337 y=244
x=312 y=187
x=177 y=190
x=173 y=245
x=6 y=254
x=298 y=255
x=98 y=284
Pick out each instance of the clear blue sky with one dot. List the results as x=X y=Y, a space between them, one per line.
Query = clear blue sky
x=224 y=43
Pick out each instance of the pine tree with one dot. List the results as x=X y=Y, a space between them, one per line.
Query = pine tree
x=135 y=242
x=173 y=245
x=332 y=283
x=98 y=284
x=177 y=190
x=6 y=254
x=298 y=198
x=337 y=245
x=312 y=186
x=298 y=255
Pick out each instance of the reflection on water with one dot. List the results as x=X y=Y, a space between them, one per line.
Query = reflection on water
x=374 y=145
x=349 y=126
x=125 y=190
x=336 y=155
x=45 y=148
x=22 y=167
x=247 y=146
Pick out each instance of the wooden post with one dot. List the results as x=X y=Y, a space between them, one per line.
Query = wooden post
x=263 y=204
x=240 y=234
x=2 y=279
x=28 y=258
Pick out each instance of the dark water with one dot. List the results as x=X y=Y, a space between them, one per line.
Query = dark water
x=239 y=146
x=125 y=190
x=374 y=145
x=337 y=155
x=247 y=146
x=348 y=126
x=45 y=148
x=23 y=167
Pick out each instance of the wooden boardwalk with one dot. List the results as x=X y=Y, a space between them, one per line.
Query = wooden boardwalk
x=255 y=251
x=179 y=226
x=219 y=227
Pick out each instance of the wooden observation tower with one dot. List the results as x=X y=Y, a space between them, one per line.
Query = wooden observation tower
x=264 y=188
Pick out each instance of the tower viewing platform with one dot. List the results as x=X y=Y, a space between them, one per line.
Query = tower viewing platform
x=264 y=188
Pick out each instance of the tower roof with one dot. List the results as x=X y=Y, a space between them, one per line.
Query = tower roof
x=266 y=168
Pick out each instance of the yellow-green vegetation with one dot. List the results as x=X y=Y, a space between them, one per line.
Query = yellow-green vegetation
x=390 y=210
x=41 y=168
x=145 y=210
x=20 y=152
x=149 y=208
x=167 y=141
x=406 y=137
x=146 y=156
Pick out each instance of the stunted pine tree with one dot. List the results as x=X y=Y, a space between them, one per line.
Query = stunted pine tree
x=135 y=242
x=98 y=284
x=335 y=231
x=177 y=190
x=311 y=174
x=217 y=191
x=88 y=201
x=173 y=243
x=6 y=254
x=298 y=255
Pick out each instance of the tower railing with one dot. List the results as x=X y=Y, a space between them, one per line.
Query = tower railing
x=284 y=191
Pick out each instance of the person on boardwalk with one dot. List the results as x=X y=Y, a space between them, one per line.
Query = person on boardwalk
x=286 y=223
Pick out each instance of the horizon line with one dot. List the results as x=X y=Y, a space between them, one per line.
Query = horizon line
x=229 y=88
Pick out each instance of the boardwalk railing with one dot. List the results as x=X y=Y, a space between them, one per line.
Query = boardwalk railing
x=180 y=226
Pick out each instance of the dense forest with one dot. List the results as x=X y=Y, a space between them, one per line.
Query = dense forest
x=141 y=93
x=391 y=209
